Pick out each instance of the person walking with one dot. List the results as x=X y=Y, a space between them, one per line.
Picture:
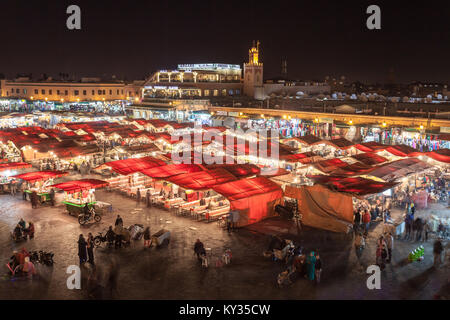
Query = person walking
x=147 y=237
x=408 y=226
x=426 y=230
x=366 y=220
x=30 y=230
x=34 y=200
x=437 y=251
x=138 y=195
x=52 y=197
x=390 y=246
x=90 y=248
x=310 y=266
x=199 y=249
x=148 y=201
x=118 y=229
x=119 y=221
x=318 y=268
x=82 y=251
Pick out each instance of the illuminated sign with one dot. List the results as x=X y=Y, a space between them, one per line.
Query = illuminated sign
x=209 y=66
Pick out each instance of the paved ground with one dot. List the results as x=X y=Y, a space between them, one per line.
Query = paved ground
x=173 y=272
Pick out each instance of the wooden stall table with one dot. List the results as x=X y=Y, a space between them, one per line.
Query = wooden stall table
x=216 y=213
x=169 y=203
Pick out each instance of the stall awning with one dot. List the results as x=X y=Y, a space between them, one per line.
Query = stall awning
x=370 y=158
x=329 y=165
x=80 y=185
x=307 y=140
x=358 y=186
x=254 y=198
x=132 y=165
x=238 y=170
x=202 y=180
x=40 y=175
x=442 y=155
x=398 y=169
x=14 y=166
x=370 y=146
x=171 y=170
x=306 y=157
x=340 y=143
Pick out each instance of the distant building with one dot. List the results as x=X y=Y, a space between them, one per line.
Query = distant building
x=88 y=89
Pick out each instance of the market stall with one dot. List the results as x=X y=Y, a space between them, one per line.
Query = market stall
x=78 y=193
x=39 y=182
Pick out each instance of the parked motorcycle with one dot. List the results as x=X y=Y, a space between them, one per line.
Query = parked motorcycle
x=89 y=218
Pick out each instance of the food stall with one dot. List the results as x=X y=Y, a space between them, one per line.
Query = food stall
x=78 y=193
x=40 y=181
x=6 y=171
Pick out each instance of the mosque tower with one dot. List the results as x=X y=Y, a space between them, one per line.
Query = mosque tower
x=253 y=74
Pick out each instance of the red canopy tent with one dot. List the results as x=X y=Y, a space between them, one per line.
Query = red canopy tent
x=171 y=170
x=40 y=175
x=330 y=165
x=370 y=146
x=14 y=166
x=308 y=140
x=369 y=158
x=442 y=155
x=357 y=185
x=340 y=143
x=403 y=151
x=132 y=165
x=203 y=179
x=80 y=185
x=304 y=158
x=254 y=198
x=238 y=170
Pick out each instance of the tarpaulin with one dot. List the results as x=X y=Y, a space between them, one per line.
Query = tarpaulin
x=442 y=155
x=171 y=170
x=132 y=165
x=304 y=158
x=203 y=179
x=322 y=208
x=254 y=198
x=340 y=143
x=397 y=169
x=80 y=185
x=40 y=175
x=403 y=151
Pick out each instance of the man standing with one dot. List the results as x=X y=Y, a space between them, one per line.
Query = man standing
x=52 y=197
x=366 y=220
x=119 y=221
x=390 y=245
x=147 y=198
x=437 y=251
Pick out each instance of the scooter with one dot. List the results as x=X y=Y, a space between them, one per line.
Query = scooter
x=88 y=218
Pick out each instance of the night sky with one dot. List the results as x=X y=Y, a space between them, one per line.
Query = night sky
x=134 y=38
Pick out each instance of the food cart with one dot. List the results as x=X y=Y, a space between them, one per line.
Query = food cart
x=78 y=193
x=39 y=181
x=7 y=170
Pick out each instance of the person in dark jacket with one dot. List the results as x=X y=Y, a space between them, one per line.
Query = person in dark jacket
x=318 y=268
x=437 y=251
x=147 y=238
x=90 y=248
x=34 y=199
x=138 y=195
x=119 y=221
x=148 y=198
x=110 y=236
x=82 y=252
x=199 y=249
x=52 y=197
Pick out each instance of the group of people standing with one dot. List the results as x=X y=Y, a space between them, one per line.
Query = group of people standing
x=86 y=249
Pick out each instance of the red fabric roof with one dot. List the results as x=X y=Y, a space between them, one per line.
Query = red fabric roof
x=80 y=185
x=369 y=158
x=308 y=139
x=238 y=170
x=403 y=151
x=304 y=158
x=40 y=175
x=340 y=143
x=203 y=179
x=370 y=146
x=133 y=165
x=358 y=185
x=442 y=155
x=330 y=165
x=171 y=170
x=13 y=166
x=253 y=197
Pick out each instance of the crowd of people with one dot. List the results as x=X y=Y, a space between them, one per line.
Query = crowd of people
x=22 y=232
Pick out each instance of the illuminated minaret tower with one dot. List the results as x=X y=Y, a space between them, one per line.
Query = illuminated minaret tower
x=253 y=74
